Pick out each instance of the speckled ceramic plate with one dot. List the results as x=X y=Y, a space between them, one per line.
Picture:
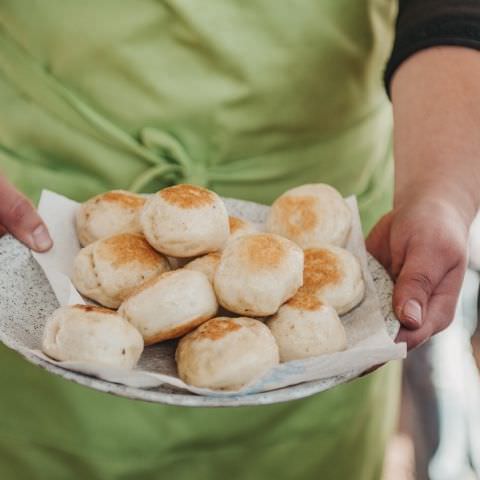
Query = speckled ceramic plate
x=26 y=299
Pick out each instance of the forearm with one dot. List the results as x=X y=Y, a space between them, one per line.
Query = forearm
x=433 y=77
x=436 y=103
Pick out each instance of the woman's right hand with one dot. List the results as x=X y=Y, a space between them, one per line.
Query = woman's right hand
x=19 y=217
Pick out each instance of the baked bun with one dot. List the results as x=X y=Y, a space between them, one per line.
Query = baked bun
x=305 y=327
x=312 y=216
x=170 y=305
x=226 y=353
x=108 y=214
x=86 y=333
x=334 y=275
x=207 y=264
x=109 y=269
x=239 y=227
x=257 y=273
x=185 y=221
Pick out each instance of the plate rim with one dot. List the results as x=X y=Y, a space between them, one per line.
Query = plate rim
x=284 y=394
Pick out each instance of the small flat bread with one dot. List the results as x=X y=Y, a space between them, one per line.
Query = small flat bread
x=170 y=305
x=226 y=353
x=91 y=334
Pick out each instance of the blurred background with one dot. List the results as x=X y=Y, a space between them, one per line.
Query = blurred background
x=438 y=436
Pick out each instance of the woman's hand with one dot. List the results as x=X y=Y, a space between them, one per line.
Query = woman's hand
x=423 y=244
x=19 y=217
x=423 y=240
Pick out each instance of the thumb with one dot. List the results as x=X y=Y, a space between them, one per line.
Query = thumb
x=21 y=219
x=419 y=276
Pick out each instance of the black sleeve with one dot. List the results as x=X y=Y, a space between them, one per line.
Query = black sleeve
x=427 y=23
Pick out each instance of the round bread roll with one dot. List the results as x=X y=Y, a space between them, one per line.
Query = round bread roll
x=305 y=327
x=185 y=221
x=257 y=273
x=108 y=214
x=239 y=227
x=170 y=305
x=207 y=264
x=335 y=276
x=110 y=269
x=226 y=353
x=312 y=216
x=86 y=333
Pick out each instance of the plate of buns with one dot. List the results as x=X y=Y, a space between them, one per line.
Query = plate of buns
x=183 y=297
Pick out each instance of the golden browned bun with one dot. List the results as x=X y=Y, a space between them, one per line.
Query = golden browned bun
x=257 y=273
x=185 y=221
x=86 y=333
x=226 y=353
x=305 y=327
x=109 y=214
x=312 y=216
x=334 y=276
x=109 y=269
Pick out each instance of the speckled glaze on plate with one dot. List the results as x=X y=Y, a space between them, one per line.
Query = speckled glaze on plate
x=26 y=300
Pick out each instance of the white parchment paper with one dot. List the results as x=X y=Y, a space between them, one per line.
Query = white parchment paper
x=368 y=341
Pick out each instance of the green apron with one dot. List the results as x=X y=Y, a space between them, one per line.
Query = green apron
x=249 y=98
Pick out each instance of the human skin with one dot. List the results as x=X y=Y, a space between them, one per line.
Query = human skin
x=422 y=242
x=19 y=217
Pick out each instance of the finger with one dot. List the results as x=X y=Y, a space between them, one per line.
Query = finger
x=20 y=218
x=424 y=268
x=439 y=313
x=378 y=241
x=415 y=338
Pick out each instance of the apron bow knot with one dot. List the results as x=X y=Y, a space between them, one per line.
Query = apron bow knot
x=171 y=162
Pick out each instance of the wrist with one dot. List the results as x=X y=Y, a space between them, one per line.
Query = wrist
x=441 y=195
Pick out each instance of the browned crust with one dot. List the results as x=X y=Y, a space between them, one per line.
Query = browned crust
x=296 y=214
x=129 y=247
x=305 y=299
x=235 y=223
x=94 y=309
x=187 y=196
x=321 y=268
x=262 y=250
x=126 y=199
x=215 y=329
x=178 y=331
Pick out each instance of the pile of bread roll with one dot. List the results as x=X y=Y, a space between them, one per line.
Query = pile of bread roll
x=240 y=300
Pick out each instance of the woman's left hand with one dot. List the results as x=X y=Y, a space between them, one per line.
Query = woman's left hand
x=423 y=245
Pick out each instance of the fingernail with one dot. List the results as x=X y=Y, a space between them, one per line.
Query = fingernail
x=412 y=312
x=41 y=238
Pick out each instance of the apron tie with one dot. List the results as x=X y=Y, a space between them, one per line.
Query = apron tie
x=174 y=164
